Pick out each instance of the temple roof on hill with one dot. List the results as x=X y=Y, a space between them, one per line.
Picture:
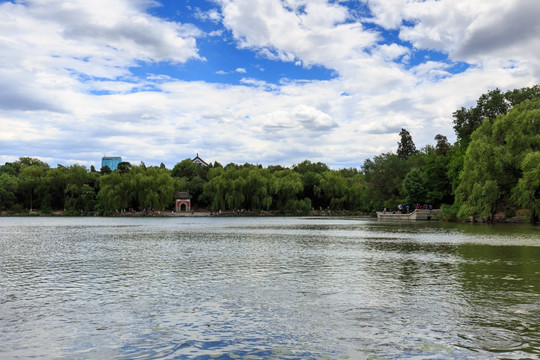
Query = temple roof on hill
x=197 y=160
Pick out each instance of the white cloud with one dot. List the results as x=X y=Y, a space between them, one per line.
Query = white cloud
x=319 y=35
x=216 y=33
x=97 y=38
x=237 y=71
x=386 y=13
x=53 y=51
x=390 y=52
x=443 y=25
x=431 y=70
x=263 y=85
x=475 y=31
x=211 y=15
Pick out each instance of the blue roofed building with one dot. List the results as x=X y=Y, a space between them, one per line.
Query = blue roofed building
x=111 y=162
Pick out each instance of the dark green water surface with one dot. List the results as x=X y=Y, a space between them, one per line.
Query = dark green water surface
x=267 y=288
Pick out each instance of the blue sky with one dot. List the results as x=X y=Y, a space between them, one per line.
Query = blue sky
x=223 y=61
x=259 y=81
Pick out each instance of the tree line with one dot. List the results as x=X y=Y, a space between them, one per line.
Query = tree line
x=493 y=167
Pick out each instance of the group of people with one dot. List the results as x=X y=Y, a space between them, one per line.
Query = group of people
x=408 y=207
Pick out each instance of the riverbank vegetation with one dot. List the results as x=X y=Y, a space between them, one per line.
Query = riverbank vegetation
x=492 y=170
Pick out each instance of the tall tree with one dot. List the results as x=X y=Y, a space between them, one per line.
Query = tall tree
x=517 y=96
x=435 y=168
x=53 y=187
x=308 y=166
x=442 y=144
x=414 y=188
x=29 y=180
x=406 y=145
x=13 y=168
x=186 y=168
x=124 y=167
x=488 y=106
x=384 y=176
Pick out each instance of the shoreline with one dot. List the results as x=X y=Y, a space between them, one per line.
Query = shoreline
x=169 y=213
x=229 y=213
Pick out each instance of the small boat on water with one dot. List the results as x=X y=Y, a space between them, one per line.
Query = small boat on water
x=417 y=214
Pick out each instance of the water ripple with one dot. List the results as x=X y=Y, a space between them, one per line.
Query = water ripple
x=284 y=288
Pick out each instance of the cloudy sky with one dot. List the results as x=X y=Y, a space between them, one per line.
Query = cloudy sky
x=258 y=81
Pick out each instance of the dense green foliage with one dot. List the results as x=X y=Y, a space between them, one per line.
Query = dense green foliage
x=138 y=188
x=494 y=167
x=499 y=165
x=489 y=106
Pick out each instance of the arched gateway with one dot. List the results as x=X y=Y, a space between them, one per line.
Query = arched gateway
x=183 y=201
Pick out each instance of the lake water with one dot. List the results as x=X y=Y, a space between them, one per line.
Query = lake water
x=267 y=288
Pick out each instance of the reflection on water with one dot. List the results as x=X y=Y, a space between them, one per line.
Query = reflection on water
x=259 y=288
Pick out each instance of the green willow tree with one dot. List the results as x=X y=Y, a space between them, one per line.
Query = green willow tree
x=340 y=192
x=527 y=192
x=332 y=189
x=253 y=188
x=285 y=185
x=495 y=162
x=257 y=191
x=110 y=196
x=225 y=188
x=311 y=175
x=139 y=188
